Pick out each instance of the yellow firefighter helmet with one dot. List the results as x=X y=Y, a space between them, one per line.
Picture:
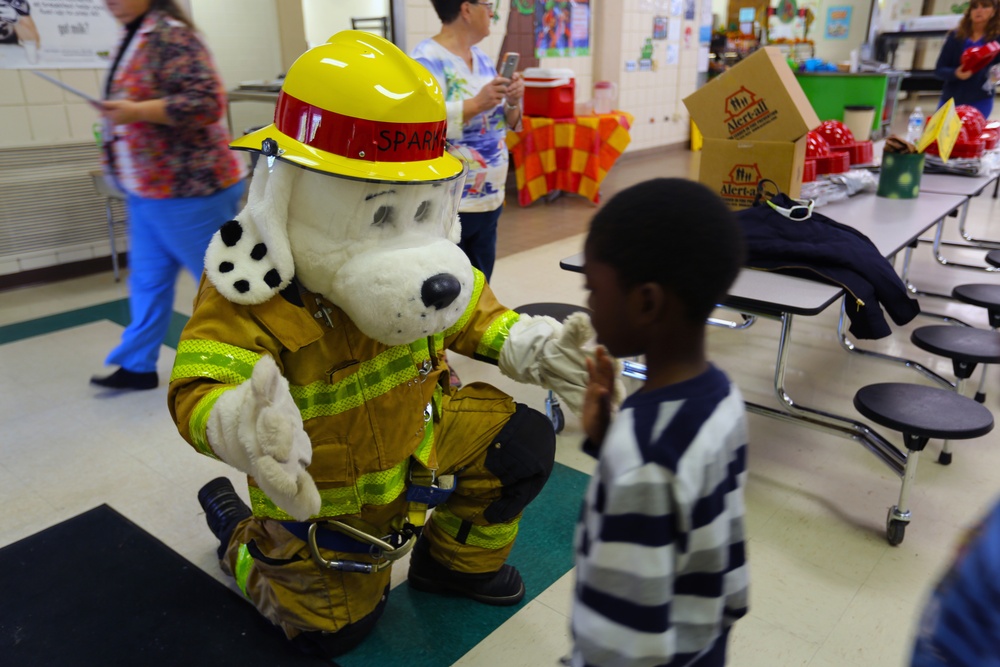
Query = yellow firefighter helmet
x=360 y=108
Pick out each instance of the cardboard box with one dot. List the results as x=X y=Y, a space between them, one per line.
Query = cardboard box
x=759 y=99
x=733 y=168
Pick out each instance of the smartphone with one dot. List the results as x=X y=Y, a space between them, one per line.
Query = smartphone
x=508 y=64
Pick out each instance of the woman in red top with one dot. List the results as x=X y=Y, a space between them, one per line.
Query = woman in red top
x=167 y=148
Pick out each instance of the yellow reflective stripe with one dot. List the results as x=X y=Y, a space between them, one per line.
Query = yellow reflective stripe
x=375 y=488
x=381 y=488
x=420 y=351
x=378 y=376
x=478 y=280
x=244 y=561
x=496 y=335
x=426 y=446
x=210 y=359
x=438 y=402
x=334 y=502
x=198 y=424
x=493 y=536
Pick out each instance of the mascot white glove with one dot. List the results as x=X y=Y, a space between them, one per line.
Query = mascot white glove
x=541 y=350
x=257 y=429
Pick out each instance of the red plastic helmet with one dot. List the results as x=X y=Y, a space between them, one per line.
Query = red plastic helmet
x=990 y=137
x=976 y=58
x=972 y=148
x=836 y=133
x=972 y=119
x=816 y=145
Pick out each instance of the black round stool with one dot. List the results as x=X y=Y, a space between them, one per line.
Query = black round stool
x=985 y=296
x=966 y=347
x=558 y=311
x=993 y=256
x=919 y=413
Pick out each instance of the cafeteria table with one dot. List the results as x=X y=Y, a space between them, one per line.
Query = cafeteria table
x=966 y=186
x=892 y=225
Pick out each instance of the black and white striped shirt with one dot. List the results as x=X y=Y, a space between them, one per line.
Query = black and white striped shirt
x=660 y=554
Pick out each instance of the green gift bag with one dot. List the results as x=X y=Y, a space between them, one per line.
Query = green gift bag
x=899 y=177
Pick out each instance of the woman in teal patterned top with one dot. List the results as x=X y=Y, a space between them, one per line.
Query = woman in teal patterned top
x=481 y=106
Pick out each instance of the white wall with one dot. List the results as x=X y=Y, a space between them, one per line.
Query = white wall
x=325 y=18
x=654 y=98
x=242 y=38
x=839 y=50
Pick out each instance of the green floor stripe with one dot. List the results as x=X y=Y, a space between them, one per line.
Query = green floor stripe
x=115 y=311
x=419 y=629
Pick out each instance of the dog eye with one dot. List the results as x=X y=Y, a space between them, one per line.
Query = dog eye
x=383 y=216
x=422 y=211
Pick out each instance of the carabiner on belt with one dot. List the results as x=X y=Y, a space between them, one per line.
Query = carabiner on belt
x=384 y=552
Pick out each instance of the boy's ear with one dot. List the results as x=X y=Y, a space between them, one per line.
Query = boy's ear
x=655 y=304
x=652 y=303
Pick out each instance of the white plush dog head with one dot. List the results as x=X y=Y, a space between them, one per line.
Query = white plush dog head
x=384 y=252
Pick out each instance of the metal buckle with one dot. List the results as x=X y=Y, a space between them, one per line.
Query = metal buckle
x=384 y=552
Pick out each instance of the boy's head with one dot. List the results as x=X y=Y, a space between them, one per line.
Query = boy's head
x=667 y=246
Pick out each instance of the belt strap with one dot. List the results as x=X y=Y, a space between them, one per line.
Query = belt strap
x=333 y=540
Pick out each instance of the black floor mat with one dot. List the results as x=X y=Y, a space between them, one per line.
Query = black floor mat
x=99 y=590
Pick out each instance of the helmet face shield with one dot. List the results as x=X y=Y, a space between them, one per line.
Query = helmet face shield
x=378 y=211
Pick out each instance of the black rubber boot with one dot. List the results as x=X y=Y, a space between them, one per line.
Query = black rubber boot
x=501 y=588
x=125 y=379
x=223 y=509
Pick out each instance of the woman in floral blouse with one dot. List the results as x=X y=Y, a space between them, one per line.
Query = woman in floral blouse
x=481 y=106
x=167 y=148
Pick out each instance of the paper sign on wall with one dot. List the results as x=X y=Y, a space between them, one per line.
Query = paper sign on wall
x=562 y=28
x=50 y=34
x=838 y=22
x=703 y=58
x=673 y=54
x=674 y=31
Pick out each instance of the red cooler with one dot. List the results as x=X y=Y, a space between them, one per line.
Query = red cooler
x=549 y=92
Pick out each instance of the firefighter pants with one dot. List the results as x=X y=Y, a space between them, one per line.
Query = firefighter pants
x=501 y=454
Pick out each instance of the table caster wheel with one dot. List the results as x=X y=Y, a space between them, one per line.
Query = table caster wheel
x=558 y=420
x=895 y=529
x=555 y=414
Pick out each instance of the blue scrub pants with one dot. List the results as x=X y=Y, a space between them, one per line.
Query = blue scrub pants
x=479 y=238
x=165 y=235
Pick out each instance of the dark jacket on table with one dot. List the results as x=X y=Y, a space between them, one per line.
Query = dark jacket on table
x=821 y=249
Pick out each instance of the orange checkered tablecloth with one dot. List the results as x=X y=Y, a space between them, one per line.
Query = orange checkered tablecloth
x=568 y=154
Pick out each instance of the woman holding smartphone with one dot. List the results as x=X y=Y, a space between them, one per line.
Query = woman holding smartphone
x=481 y=107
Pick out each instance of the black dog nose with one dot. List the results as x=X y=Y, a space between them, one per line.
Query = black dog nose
x=440 y=290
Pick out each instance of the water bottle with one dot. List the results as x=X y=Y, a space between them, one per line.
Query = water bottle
x=915 y=126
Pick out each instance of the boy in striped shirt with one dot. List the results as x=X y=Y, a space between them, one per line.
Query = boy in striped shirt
x=660 y=554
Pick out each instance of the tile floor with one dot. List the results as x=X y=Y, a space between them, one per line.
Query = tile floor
x=827 y=591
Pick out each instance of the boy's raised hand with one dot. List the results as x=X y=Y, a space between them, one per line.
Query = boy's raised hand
x=597 y=402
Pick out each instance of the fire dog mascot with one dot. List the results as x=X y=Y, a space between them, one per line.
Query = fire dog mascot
x=314 y=361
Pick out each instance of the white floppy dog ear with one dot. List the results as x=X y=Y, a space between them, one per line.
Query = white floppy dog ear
x=455 y=231
x=249 y=259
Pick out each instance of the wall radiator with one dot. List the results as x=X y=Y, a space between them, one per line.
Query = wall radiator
x=50 y=211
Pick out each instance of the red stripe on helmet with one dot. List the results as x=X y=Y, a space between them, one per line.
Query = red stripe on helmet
x=358 y=138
